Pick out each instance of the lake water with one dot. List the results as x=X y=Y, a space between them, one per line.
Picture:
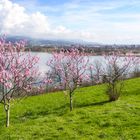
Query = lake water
x=44 y=57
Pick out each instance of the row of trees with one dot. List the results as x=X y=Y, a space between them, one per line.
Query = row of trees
x=67 y=70
x=72 y=68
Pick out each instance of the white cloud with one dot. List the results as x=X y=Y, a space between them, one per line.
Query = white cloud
x=14 y=20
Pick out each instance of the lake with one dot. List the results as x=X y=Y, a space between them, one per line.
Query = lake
x=44 y=57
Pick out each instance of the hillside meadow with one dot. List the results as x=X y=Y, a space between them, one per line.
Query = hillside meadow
x=47 y=116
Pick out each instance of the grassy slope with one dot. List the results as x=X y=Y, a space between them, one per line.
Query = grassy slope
x=93 y=118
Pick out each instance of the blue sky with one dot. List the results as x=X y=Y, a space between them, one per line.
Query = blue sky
x=103 y=21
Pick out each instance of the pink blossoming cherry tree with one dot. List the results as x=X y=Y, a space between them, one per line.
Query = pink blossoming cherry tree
x=17 y=72
x=69 y=70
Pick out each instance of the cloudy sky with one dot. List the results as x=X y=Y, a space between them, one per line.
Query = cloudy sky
x=102 y=21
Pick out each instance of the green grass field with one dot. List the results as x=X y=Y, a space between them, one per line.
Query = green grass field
x=47 y=117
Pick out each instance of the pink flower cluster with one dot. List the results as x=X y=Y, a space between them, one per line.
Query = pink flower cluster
x=70 y=65
x=17 y=67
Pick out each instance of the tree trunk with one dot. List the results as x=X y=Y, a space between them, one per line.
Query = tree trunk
x=71 y=102
x=8 y=116
x=7 y=111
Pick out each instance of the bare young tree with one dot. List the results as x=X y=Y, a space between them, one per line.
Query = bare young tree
x=117 y=68
x=95 y=72
x=136 y=71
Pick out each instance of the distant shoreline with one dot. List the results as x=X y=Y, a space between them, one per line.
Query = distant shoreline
x=90 y=54
x=95 y=51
